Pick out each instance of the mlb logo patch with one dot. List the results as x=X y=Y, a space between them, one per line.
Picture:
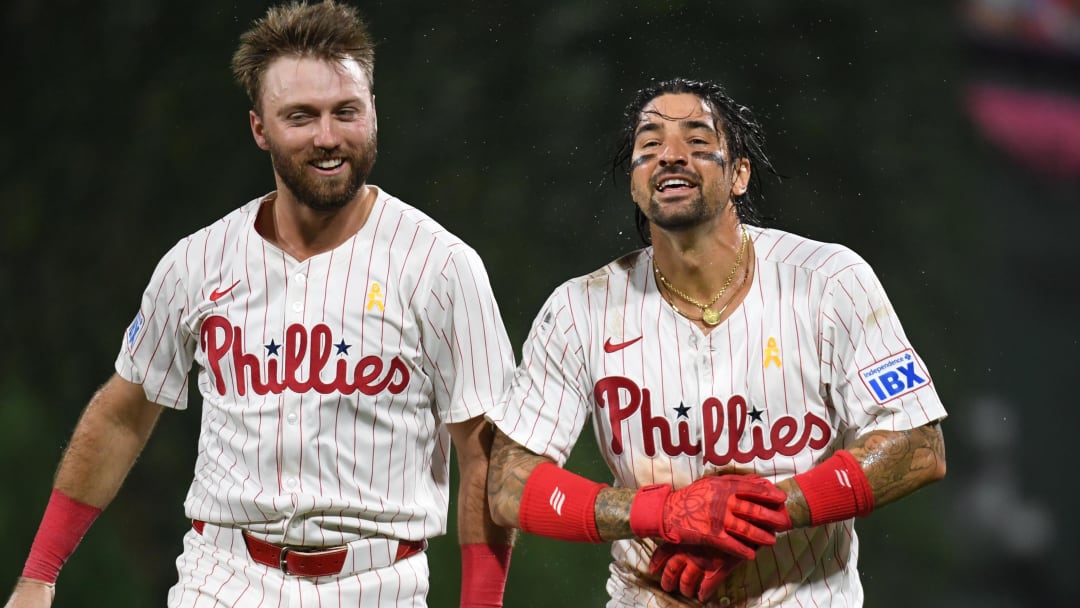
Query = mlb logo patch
x=894 y=375
x=133 y=329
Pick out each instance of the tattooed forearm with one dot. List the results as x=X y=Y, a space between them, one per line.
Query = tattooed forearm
x=613 y=513
x=896 y=464
x=899 y=462
x=510 y=467
x=795 y=503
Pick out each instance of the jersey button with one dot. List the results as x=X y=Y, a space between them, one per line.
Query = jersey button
x=291 y=418
x=291 y=483
x=301 y=279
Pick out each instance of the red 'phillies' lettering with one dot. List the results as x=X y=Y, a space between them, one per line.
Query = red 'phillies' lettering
x=623 y=398
x=222 y=342
x=607 y=393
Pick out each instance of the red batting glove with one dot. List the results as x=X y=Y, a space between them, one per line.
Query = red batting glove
x=734 y=513
x=694 y=570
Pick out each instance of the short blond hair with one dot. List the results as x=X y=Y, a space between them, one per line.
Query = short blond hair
x=328 y=30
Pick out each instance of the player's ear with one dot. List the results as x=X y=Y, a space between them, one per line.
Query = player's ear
x=257 y=129
x=741 y=180
x=374 y=114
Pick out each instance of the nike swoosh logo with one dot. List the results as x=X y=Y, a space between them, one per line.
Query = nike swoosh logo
x=613 y=347
x=217 y=295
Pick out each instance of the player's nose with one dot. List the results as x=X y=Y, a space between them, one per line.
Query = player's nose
x=673 y=152
x=326 y=133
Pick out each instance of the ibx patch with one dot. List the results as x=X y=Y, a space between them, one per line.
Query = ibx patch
x=133 y=329
x=894 y=375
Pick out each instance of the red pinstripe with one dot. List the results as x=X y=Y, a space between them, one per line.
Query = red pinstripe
x=430 y=281
x=171 y=371
x=802 y=296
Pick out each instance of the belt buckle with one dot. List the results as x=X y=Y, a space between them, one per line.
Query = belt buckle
x=283 y=562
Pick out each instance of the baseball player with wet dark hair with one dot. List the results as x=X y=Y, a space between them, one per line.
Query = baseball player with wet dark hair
x=753 y=391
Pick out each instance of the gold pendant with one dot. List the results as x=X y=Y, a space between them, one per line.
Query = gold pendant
x=710 y=316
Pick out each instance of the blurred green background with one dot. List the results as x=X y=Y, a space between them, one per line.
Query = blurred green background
x=937 y=139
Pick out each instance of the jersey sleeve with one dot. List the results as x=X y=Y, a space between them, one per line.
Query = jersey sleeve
x=878 y=381
x=466 y=346
x=158 y=349
x=547 y=404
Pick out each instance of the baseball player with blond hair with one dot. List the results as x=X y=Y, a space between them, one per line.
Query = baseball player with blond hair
x=752 y=391
x=343 y=340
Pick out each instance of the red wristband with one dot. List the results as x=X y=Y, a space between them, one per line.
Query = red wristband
x=837 y=489
x=647 y=511
x=483 y=574
x=559 y=504
x=65 y=522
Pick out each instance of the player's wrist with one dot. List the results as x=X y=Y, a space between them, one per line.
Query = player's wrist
x=835 y=490
x=26 y=581
x=559 y=504
x=647 y=511
x=31 y=592
x=63 y=526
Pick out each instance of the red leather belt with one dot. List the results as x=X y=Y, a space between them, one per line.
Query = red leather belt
x=298 y=561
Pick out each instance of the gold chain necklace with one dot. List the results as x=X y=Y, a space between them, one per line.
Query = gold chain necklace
x=719 y=313
x=709 y=316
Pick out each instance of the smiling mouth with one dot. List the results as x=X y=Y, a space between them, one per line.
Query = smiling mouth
x=328 y=164
x=673 y=183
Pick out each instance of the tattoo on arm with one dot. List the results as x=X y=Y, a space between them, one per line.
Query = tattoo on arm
x=899 y=462
x=795 y=503
x=613 y=513
x=510 y=467
x=896 y=464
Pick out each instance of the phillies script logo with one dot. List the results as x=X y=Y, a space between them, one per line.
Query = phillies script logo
x=224 y=345
x=623 y=398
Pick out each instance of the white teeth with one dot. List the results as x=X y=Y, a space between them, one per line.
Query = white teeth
x=329 y=164
x=673 y=181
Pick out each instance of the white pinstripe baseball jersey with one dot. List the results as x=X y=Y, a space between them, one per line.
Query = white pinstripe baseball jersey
x=326 y=383
x=813 y=357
